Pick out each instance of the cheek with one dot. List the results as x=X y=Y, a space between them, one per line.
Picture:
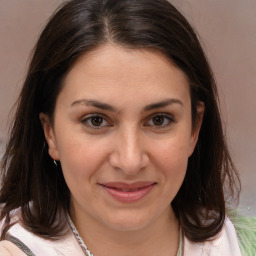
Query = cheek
x=171 y=157
x=81 y=157
x=79 y=164
x=174 y=164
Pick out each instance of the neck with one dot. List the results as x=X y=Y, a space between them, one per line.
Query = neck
x=159 y=238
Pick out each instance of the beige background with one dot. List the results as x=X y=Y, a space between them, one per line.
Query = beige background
x=227 y=29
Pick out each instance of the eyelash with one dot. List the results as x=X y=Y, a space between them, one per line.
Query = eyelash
x=167 y=118
x=87 y=120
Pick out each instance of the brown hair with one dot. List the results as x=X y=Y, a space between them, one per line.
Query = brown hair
x=30 y=179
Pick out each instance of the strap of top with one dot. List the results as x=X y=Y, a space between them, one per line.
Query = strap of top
x=20 y=245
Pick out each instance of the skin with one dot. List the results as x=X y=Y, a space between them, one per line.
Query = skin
x=132 y=139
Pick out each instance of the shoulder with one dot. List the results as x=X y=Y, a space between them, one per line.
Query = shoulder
x=224 y=244
x=4 y=250
x=9 y=249
x=39 y=246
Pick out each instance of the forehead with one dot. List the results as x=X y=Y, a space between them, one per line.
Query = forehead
x=112 y=69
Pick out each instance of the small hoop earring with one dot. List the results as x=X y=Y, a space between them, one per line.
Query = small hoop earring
x=55 y=163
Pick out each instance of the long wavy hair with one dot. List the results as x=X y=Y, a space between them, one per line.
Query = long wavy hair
x=30 y=180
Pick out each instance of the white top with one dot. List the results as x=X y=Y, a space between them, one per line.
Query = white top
x=226 y=244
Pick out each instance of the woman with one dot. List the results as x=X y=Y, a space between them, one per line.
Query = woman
x=117 y=145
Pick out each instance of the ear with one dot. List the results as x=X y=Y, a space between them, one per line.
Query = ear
x=196 y=129
x=49 y=136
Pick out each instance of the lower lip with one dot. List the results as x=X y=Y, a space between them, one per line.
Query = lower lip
x=128 y=196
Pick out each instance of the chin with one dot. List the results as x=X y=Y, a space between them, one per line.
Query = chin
x=128 y=223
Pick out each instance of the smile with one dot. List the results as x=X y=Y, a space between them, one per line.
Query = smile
x=126 y=193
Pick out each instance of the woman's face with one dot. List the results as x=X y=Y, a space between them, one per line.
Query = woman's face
x=122 y=133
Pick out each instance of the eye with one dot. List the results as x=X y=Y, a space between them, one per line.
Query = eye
x=160 y=120
x=95 y=121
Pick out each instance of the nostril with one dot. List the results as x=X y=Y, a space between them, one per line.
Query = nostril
x=127 y=164
x=128 y=154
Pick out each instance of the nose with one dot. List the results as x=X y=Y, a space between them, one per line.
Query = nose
x=129 y=154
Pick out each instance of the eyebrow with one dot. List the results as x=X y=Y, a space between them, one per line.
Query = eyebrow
x=94 y=103
x=162 y=104
x=108 y=107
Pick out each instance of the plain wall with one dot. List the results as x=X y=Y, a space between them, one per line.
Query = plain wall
x=227 y=29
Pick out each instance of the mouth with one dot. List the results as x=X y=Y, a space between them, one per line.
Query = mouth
x=125 y=192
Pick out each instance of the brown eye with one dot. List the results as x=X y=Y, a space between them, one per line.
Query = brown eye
x=158 y=120
x=96 y=120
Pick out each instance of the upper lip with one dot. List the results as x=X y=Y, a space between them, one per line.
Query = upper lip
x=124 y=185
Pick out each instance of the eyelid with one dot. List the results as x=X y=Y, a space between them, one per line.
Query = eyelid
x=85 y=118
x=162 y=114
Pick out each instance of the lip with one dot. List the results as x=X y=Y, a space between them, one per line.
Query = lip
x=128 y=192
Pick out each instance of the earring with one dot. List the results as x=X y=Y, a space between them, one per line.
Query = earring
x=55 y=163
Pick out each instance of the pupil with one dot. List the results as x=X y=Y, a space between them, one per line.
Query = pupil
x=97 y=120
x=159 y=120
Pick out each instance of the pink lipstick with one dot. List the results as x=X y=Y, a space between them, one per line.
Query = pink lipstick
x=125 y=192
